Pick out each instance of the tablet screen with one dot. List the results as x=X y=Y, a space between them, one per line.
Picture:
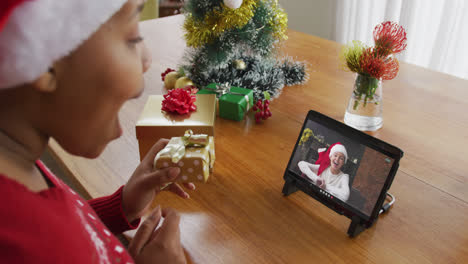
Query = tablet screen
x=341 y=167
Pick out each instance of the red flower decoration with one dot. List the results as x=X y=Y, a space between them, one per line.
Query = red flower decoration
x=389 y=38
x=179 y=101
x=378 y=67
x=163 y=75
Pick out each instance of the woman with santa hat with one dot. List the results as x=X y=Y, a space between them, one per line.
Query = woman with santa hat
x=66 y=69
x=326 y=172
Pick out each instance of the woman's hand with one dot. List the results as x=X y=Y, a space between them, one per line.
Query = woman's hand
x=321 y=183
x=146 y=182
x=161 y=245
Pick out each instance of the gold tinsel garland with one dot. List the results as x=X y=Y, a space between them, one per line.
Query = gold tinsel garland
x=199 y=33
x=202 y=32
x=279 y=21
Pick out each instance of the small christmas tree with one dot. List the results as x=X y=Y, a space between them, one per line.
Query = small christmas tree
x=235 y=41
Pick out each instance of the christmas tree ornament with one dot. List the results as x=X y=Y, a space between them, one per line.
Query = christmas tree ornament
x=233 y=4
x=182 y=82
x=163 y=75
x=170 y=79
x=240 y=64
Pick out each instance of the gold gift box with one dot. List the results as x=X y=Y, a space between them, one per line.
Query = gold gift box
x=154 y=123
x=196 y=163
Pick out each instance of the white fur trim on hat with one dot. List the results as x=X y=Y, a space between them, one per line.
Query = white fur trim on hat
x=321 y=150
x=339 y=148
x=39 y=32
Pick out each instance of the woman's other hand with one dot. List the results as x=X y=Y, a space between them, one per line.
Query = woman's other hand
x=321 y=183
x=161 y=245
x=146 y=182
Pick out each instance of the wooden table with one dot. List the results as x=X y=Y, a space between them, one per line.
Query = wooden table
x=240 y=216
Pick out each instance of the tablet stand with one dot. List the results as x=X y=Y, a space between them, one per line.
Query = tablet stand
x=289 y=187
x=356 y=226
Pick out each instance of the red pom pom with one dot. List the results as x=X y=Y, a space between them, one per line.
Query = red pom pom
x=179 y=101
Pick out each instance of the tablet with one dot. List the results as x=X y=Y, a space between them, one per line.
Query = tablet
x=344 y=168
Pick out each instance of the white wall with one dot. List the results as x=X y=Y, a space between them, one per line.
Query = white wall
x=311 y=16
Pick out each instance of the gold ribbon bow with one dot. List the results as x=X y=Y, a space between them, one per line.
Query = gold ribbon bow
x=191 y=140
x=176 y=146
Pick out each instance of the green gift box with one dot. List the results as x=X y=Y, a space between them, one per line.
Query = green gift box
x=234 y=102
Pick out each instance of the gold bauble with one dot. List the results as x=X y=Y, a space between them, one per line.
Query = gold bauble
x=240 y=64
x=170 y=80
x=182 y=82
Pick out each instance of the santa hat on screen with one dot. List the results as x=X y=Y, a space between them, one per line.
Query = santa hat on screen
x=324 y=156
x=36 y=33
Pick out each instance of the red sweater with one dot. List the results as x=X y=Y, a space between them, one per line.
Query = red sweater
x=58 y=226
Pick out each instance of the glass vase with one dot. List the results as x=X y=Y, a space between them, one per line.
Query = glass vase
x=364 y=111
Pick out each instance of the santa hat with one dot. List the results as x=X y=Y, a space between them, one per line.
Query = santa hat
x=36 y=33
x=324 y=156
x=338 y=147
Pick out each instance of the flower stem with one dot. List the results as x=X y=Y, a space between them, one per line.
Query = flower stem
x=364 y=86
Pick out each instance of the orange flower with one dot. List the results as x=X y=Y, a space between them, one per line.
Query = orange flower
x=378 y=67
x=391 y=69
x=390 y=38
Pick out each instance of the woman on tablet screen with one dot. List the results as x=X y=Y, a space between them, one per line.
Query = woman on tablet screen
x=326 y=172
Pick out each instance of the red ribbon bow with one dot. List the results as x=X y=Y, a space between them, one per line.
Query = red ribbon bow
x=179 y=101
